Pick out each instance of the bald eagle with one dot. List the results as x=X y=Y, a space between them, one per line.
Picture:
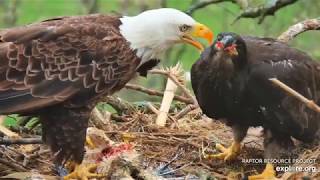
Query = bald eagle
x=57 y=69
x=231 y=82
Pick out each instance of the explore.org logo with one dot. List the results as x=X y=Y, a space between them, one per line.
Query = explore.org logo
x=312 y=169
x=287 y=164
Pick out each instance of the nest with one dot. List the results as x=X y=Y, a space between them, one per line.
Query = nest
x=175 y=151
x=136 y=144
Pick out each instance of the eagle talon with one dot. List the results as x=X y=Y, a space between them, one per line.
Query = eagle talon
x=227 y=153
x=90 y=143
x=268 y=174
x=83 y=172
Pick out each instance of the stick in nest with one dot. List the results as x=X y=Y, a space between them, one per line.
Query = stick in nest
x=156 y=93
x=169 y=92
x=309 y=103
x=7 y=141
x=185 y=111
x=15 y=166
x=176 y=81
x=152 y=108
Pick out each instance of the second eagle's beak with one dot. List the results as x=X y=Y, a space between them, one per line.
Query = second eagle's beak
x=198 y=31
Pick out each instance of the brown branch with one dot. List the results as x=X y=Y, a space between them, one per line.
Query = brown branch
x=98 y=119
x=309 y=103
x=120 y=105
x=264 y=11
x=153 y=92
x=185 y=111
x=295 y=30
x=16 y=167
x=102 y=119
x=203 y=4
x=7 y=141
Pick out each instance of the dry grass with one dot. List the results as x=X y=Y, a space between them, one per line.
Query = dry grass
x=181 y=145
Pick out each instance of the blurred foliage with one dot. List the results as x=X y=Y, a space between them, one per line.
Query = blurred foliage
x=10 y=120
x=219 y=17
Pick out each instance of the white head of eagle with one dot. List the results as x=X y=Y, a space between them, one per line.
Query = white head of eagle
x=154 y=31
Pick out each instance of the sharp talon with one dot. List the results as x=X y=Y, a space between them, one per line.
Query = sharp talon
x=83 y=172
x=226 y=153
x=268 y=174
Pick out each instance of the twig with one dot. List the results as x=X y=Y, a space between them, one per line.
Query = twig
x=16 y=167
x=262 y=12
x=121 y=106
x=202 y=4
x=156 y=93
x=152 y=108
x=176 y=81
x=152 y=134
x=309 y=103
x=295 y=30
x=266 y=10
x=6 y=141
x=119 y=118
x=98 y=119
x=185 y=111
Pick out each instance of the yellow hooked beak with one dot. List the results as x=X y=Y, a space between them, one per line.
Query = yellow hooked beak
x=198 y=31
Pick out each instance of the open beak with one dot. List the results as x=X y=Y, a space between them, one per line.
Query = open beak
x=219 y=45
x=198 y=31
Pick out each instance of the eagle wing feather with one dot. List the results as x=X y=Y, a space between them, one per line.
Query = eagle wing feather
x=52 y=61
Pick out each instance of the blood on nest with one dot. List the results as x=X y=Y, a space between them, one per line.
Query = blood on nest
x=114 y=150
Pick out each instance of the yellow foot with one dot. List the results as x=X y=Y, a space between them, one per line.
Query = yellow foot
x=227 y=153
x=268 y=174
x=83 y=172
x=90 y=143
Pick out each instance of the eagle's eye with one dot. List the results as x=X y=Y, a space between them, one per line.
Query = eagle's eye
x=219 y=38
x=184 y=28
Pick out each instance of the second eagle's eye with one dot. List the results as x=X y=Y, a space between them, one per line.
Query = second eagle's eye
x=219 y=38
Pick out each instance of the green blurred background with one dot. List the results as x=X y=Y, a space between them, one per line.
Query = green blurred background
x=219 y=17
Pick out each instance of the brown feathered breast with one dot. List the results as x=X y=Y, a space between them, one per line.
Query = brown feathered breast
x=68 y=59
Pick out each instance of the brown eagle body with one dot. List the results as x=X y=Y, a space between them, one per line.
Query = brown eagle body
x=55 y=68
x=231 y=82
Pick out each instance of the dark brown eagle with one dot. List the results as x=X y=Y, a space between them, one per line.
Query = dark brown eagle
x=57 y=69
x=231 y=82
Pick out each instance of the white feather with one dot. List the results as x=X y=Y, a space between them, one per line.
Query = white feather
x=154 y=31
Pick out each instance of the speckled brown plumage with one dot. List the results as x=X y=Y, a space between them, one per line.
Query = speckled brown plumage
x=55 y=68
